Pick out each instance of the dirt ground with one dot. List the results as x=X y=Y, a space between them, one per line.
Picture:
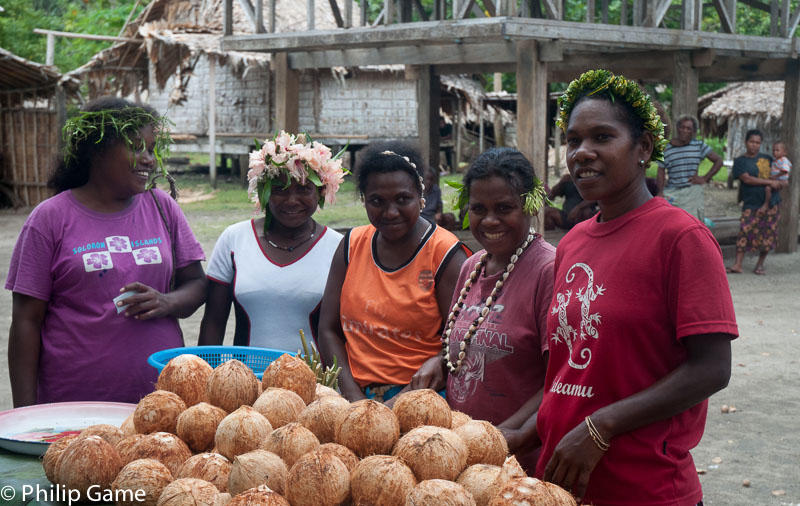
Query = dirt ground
x=758 y=442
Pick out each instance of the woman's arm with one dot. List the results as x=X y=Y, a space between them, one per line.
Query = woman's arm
x=706 y=371
x=215 y=316
x=189 y=294
x=24 y=345
x=757 y=181
x=331 y=337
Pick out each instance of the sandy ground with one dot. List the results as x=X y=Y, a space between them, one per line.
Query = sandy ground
x=759 y=442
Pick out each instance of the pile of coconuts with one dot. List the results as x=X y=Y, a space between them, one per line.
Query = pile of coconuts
x=221 y=437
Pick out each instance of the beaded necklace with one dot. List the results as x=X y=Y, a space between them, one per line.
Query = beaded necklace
x=292 y=248
x=490 y=300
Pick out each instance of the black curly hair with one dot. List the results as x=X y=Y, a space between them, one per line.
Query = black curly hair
x=374 y=160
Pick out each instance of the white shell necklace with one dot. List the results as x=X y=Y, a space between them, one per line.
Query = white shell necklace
x=491 y=299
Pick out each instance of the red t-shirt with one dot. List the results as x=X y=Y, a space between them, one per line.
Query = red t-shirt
x=504 y=364
x=626 y=292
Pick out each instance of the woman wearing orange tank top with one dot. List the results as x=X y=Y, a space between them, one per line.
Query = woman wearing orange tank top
x=390 y=282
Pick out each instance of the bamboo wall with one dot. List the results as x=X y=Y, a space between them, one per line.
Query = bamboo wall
x=29 y=141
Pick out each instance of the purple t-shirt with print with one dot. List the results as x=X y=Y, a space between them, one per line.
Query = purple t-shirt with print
x=77 y=260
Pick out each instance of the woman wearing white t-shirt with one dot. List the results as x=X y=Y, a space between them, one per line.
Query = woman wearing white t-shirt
x=273 y=269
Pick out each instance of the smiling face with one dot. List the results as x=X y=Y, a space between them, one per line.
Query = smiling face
x=604 y=159
x=124 y=171
x=293 y=206
x=496 y=218
x=392 y=202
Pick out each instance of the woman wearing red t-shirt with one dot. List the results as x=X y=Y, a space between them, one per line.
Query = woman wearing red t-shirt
x=641 y=319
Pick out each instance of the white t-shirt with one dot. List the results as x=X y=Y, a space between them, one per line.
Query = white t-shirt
x=276 y=299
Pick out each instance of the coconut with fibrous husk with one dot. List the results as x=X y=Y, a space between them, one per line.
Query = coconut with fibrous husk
x=148 y=475
x=241 y=431
x=318 y=479
x=259 y=496
x=368 y=428
x=291 y=373
x=85 y=462
x=432 y=452
x=110 y=433
x=458 y=419
x=290 y=442
x=421 y=407
x=125 y=447
x=158 y=412
x=344 y=453
x=510 y=469
x=255 y=468
x=531 y=490
x=186 y=375
x=322 y=391
x=223 y=499
x=53 y=453
x=485 y=443
x=127 y=427
x=212 y=467
x=232 y=385
x=381 y=480
x=198 y=424
x=164 y=447
x=280 y=406
x=323 y=417
x=189 y=492
x=440 y=493
x=481 y=481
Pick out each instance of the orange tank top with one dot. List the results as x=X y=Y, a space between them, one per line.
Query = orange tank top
x=390 y=317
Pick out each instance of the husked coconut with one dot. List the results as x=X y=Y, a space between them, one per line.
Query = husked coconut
x=439 y=493
x=432 y=452
x=198 y=424
x=158 y=412
x=459 y=419
x=481 y=481
x=318 y=480
x=241 y=431
x=323 y=417
x=344 y=453
x=255 y=468
x=532 y=490
x=110 y=433
x=290 y=442
x=212 y=467
x=293 y=374
x=322 y=391
x=485 y=443
x=186 y=375
x=259 y=496
x=421 y=407
x=164 y=447
x=231 y=385
x=125 y=447
x=381 y=480
x=280 y=406
x=368 y=428
x=223 y=499
x=53 y=453
x=188 y=492
x=510 y=469
x=127 y=427
x=87 y=461
x=147 y=475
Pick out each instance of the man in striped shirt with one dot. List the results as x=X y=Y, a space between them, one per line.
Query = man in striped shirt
x=684 y=187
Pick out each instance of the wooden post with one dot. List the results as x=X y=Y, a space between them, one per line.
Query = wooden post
x=212 y=121
x=684 y=88
x=348 y=13
x=310 y=14
x=590 y=11
x=228 y=18
x=286 y=87
x=480 y=126
x=363 y=12
x=532 y=108
x=36 y=176
x=272 y=8
x=259 y=16
x=790 y=134
x=457 y=136
x=51 y=49
x=557 y=151
x=428 y=90
x=623 y=12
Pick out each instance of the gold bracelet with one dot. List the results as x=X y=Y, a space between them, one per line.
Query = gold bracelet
x=595 y=435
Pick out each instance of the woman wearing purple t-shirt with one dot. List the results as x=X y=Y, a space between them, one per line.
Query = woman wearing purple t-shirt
x=101 y=236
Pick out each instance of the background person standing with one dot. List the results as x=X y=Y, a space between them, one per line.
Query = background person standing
x=684 y=187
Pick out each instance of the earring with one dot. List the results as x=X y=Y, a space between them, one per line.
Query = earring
x=422 y=203
x=641 y=163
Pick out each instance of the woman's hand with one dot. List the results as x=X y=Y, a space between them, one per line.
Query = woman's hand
x=430 y=375
x=147 y=303
x=573 y=461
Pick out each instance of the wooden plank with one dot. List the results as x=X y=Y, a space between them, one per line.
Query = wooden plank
x=590 y=11
x=785 y=13
x=790 y=134
x=259 y=24
x=273 y=5
x=532 y=109
x=428 y=92
x=684 y=87
x=23 y=144
x=656 y=10
x=465 y=8
x=724 y=16
x=250 y=12
x=348 y=13
x=337 y=14
x=212 y=121
x=793 y=23
x=310 y=13
x=51 y=49
x=228 y=18
x=36 y=144
x=287 y=84
x=87 y=36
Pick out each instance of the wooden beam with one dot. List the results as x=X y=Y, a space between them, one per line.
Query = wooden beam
x=51 y=49
x=790 y=134
x=785 y=13
x=212 y=121
x=428 y=90
x=310 y=15
x=703 y=58
x=287 y=84
x=421 y=10
x=793 y=23
x=656 y=10
x=337 y=15
x=87 y=36
x=465 y=8
x=684 y=87
x=532 y=109
x=259 y=24
x=689 y=14
x=227 y=18
x=250 y=12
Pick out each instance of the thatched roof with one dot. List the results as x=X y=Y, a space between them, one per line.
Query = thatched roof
x=476 y=97
x=19 y=74
x=760 y=98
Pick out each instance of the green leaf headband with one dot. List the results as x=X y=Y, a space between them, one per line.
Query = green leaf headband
x=616 y=87
x=532 y=201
